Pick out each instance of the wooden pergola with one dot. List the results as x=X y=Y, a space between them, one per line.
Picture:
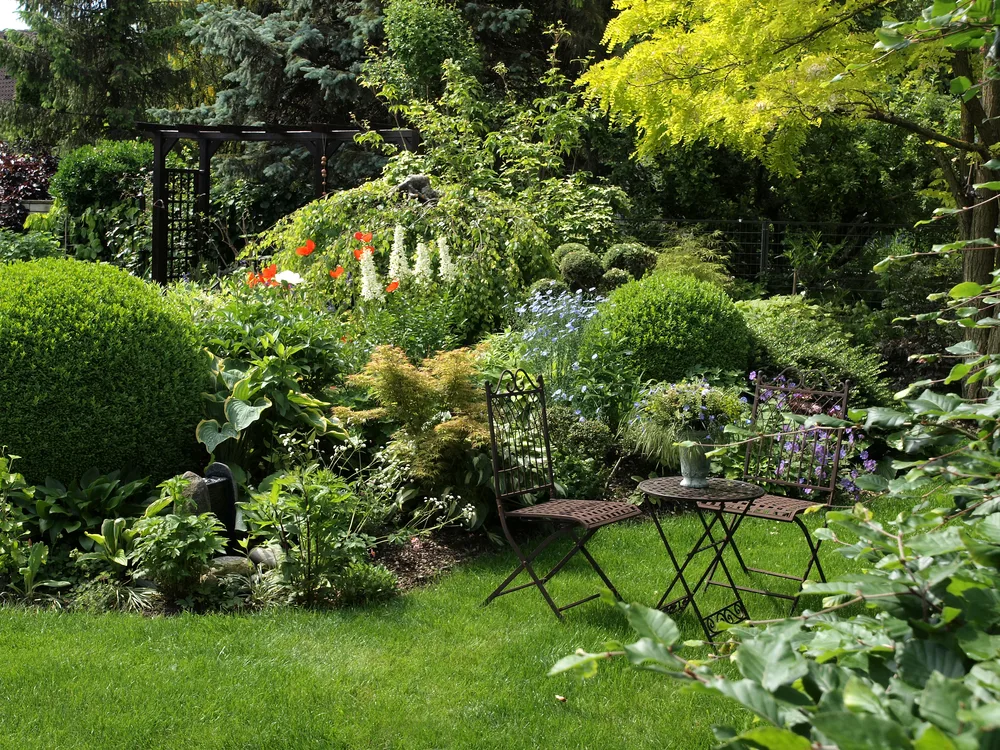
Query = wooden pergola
x=181 y=196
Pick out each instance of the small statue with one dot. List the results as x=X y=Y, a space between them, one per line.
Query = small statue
x=418 y=186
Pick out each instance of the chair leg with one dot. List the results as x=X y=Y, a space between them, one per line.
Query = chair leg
x=596 y=567
x=525 y=565
x=539 y=582
x=813 y=560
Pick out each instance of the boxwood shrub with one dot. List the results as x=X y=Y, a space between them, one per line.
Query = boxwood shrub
x=581 y=269
x=99 y=370
x=663 y=326
x=789 y=332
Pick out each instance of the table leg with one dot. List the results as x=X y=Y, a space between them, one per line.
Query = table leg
x=736 y=611
x=678 y=605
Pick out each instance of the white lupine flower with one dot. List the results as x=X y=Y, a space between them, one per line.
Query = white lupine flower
x=422 y=264
x=399 y=266
x=288 y=277
x=447 y=267
x=371 y=287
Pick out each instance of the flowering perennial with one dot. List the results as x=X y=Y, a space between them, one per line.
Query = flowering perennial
x=399 y=266
x=446 y=267
x=422 y=264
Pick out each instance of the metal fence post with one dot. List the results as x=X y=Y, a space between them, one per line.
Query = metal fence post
x=765 y=248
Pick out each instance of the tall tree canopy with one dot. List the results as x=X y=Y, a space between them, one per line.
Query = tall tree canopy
x=757 y=76
x=89 y=68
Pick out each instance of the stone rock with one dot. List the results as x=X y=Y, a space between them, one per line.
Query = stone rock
x=266 y=557
x=418 y=186
x=227 y=564
x=197 y=491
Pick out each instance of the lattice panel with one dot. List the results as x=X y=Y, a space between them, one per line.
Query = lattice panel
x=183 y=223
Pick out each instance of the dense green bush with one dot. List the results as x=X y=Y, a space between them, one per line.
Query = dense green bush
x=27 y=246
x=581 y=269
x=565 y=249
x=637 y=259
x=98 y=371
x=101 y=175
x=547 y=286
x=614 y=278
x=788 y=332
x=495 y=249
x=663 y=326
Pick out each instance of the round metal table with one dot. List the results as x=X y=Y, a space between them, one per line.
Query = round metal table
x=720 y=491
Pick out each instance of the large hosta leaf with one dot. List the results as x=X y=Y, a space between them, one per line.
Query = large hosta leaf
x=242 y=414
x=211 y=434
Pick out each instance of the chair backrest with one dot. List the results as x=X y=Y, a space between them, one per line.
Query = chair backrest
x=519 y=436
x=801 y=461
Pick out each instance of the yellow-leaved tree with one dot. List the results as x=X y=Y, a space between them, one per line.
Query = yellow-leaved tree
x=755 y=75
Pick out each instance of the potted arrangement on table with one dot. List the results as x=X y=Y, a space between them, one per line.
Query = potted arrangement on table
x=674 y=424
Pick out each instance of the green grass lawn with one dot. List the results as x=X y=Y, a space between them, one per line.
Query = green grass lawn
x=432 y=669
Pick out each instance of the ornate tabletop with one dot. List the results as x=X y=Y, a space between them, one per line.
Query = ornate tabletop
x=718 y=490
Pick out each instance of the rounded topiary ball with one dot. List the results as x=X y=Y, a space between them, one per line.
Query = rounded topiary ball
x=614 y=278
x=581 y=269
x=637 y=259
x=663 y=326
x=547 y=286
x=565 y=249
x=99 y=371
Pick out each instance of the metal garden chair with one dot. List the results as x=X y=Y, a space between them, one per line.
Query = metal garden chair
x=522 y=468
x=801 y=464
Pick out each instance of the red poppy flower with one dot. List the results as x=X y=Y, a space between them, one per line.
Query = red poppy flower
x=392 y=287
x=269 y=272
x=358 y=236
x=251 y=279
x=357 y=254
x=366 y=237
x=307 y=248
x=337 y=272
x=368 y=248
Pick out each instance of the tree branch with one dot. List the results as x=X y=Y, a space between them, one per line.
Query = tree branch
x=928 y=133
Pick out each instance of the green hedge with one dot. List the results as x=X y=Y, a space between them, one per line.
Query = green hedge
x=788 y=332
x=99 y=370
x=663 y=326
x=101 y=175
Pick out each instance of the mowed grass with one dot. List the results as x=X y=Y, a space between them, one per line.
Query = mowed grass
x=432 y=669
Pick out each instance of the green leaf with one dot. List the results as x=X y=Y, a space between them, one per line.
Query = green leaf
x=241 y=414
x=651 y=623
x=886 y=418
x=771 y=660
x=958 y=372
x=978 y=645
x=211 y=434
x=919 y=659
x=933 y=738
x=850 y=731
x=941 y=700
x=581 y=661
x=775 y=738
x=960 y=85
x=963 y=348
x=969 y=288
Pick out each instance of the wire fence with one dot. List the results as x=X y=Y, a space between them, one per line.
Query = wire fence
x=788 y=257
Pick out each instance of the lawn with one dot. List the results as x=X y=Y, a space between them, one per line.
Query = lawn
x=431 y=669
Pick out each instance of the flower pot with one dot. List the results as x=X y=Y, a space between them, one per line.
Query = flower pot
x=695 y=465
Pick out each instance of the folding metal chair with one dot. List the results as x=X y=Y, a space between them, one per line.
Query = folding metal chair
x=522 y=467
x=802 y=464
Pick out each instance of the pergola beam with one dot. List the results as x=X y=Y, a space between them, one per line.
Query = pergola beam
x=316 y=138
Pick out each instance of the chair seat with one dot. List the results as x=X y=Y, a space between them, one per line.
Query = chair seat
x=591 y=514
x=772 y=507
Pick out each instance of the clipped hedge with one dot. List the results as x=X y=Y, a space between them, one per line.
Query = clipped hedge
x=99 y=371
x=581 y=269
x=663 y=326
x=789 y=332
x=101 y=175
x=636 y=259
